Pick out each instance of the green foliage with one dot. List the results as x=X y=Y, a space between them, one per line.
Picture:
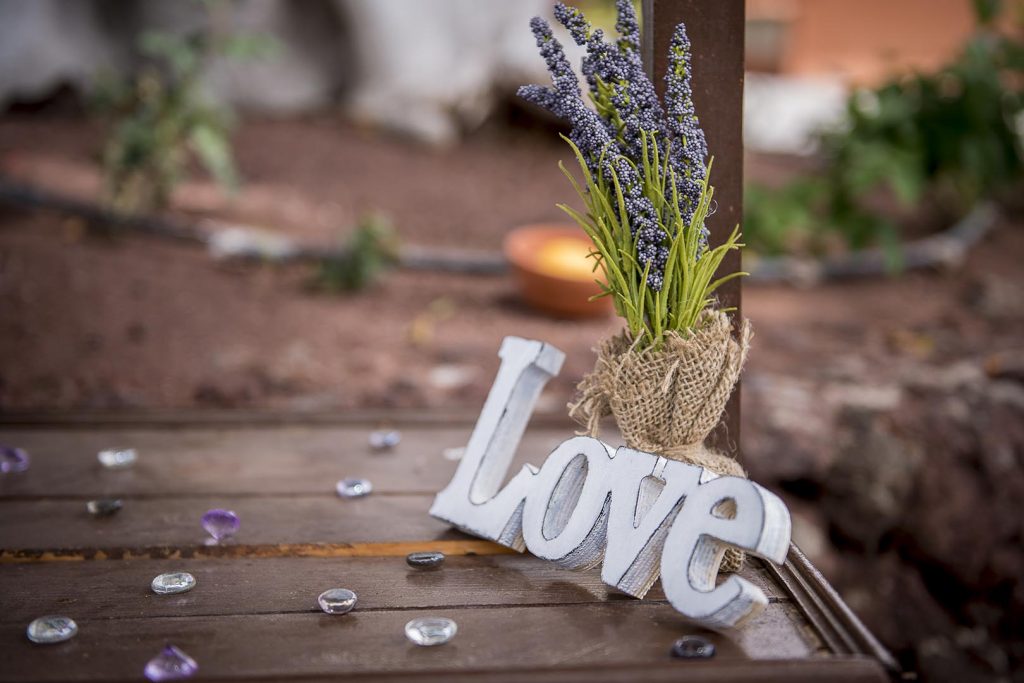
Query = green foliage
x=372 y=248
x=688 y=284
x=784 y=219
x=161 y=118
x=949 y=135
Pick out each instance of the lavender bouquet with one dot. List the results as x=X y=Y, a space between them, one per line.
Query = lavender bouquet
x=667 y=377
x=644 y=175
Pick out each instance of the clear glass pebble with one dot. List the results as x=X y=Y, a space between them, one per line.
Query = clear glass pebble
x=51 y=629
x=104 y=507
x=385 y=439
x=354 y=488
x=13 y=459
x=117 y=458
x=428 y=631
x=693 y=647
x=221 y=524
x=425 y=560
x=173 y=582
x=337 y=601
x=171 y=665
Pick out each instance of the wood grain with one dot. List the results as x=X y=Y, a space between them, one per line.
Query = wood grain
x=456 y=546
x=311 y=644
x=835 y=670
x=175 y=522
x=252 y=615
x=291 y=585
x=290 y=459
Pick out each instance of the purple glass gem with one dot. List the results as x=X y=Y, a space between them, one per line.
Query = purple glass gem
x=13 y=459
x=220 y=524
x=171 y=665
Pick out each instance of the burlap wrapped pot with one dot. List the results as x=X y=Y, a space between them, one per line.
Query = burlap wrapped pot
x=667 y=400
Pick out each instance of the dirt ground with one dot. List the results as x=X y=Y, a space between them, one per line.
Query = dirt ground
x=132 y=322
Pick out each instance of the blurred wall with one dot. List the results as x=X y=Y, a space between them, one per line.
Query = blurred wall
x=425 y=68
x=804 y=57
x=46 y=43
x=861 y=42
x=432 y=68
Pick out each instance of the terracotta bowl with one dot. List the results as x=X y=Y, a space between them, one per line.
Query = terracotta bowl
x=553 y=271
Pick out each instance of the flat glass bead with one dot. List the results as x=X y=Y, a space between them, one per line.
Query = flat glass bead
x=337 y=601
x=171 y=665
x=429 y=631
x=425 y=560
x=173 y=582
x=104 y=507
x=383 y=440
x=117 y=458
x=221 y=524
x=51 y=629
x=13 y=460
x=693 y=647
x=354 y=488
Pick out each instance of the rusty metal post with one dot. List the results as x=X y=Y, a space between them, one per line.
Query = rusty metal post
x=716 y=30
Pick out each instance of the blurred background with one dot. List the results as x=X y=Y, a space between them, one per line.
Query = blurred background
x=302 y=207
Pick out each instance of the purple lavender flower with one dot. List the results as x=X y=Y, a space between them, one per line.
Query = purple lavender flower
x=689 y=150
x=562 y=77
x=628 y=28
x=620 y=73
x=630 y=112
x=565 y=99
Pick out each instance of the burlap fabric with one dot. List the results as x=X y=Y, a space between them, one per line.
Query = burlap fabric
x=667 y=401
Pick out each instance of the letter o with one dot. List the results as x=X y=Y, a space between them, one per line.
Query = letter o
x=570 y=503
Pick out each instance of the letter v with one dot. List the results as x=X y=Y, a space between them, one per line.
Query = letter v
x=641 y=517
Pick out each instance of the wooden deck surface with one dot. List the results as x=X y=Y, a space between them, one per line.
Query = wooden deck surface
x=253 y=612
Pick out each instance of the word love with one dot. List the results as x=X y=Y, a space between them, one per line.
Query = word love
x=642 y=514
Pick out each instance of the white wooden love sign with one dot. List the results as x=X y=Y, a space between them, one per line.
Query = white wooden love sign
x=642 y=514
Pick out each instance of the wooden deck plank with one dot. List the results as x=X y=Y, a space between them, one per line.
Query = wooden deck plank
x=254 y=605
x=311 y=644
x=291 y=585
x=272 y=527
x=273 y=460
x=175 y=522
x=836 y=670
